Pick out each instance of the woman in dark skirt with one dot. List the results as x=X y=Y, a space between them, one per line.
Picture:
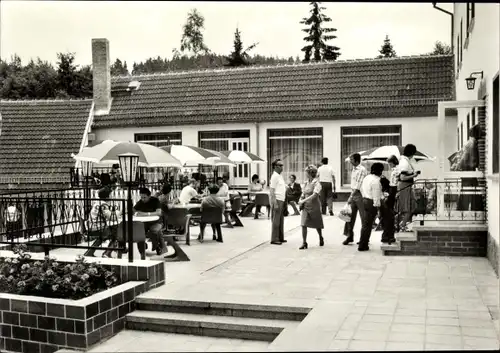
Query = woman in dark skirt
x=387 y=209
x=311 y=206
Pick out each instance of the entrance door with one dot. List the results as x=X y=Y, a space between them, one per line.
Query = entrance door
x=240 y=174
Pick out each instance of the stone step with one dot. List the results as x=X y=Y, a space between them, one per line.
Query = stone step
x=271 y=312
x=207 y=325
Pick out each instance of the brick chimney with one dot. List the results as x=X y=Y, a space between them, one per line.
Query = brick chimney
x=102 y=76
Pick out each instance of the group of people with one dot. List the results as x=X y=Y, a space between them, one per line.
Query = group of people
x=371 y=195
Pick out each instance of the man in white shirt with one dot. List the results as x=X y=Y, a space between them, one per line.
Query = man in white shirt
x=327 y=180
x=355 y=199
x=188 y=192
x=277 y=195
x=371 y=189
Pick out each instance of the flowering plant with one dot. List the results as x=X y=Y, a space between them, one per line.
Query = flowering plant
x=49 y=278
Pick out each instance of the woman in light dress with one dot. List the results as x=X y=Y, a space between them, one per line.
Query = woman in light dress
x=311 y=206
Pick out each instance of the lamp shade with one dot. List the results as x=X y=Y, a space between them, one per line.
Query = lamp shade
x=87 y=168
x=128 y=166
x=471 y=82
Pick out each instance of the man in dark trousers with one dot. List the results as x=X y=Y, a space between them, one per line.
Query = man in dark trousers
x=277 y=197
x=355 y=200
x=327 y=180
x=150 y=206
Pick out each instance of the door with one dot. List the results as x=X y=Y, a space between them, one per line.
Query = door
x=240 y=175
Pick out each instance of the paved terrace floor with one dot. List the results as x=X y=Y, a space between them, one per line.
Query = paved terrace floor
x=359 y=300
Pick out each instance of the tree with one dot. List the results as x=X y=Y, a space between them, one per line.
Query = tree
x=387 y=51
x=441 y=48
x=192 y=36
x=119 y=68
x=239 y=57
x=318 y=36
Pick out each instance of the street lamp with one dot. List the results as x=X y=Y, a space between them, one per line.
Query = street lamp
x=471 y=81
x=86 y=171
x=128 y=168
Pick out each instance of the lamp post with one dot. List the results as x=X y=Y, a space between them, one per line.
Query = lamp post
x=128 y=168
x=86 y=171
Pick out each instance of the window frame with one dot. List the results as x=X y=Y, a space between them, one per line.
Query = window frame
x=346 y=183
x=461 y=135
x=496 y=123
x=165 y=133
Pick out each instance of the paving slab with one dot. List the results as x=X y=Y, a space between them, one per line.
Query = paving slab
x=413 y=303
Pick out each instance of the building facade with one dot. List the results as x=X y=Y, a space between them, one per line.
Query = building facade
x=477 y=54
x=298 y=113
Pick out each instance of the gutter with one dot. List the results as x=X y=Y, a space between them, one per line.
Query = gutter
x=452 y=22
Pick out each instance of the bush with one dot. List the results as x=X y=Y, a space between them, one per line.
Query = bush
x=52 y=279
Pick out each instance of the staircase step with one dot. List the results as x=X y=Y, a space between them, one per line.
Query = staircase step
x=393 y=247
x=272 y=312
x=207 y=325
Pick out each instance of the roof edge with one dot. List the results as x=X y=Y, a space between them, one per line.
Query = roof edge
x=254 y=67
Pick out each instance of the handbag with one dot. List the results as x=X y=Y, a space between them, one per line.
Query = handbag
x=345 y=213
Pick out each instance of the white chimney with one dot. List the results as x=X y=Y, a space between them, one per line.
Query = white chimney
x=102 y=76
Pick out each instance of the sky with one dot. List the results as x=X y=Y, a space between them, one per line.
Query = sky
x=138 y=30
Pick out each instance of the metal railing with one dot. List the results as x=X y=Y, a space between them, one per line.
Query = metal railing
x=61 y=222
x=453 y=200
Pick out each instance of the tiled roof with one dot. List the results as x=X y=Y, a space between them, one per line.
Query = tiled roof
x=398 y=87
x=36 y=141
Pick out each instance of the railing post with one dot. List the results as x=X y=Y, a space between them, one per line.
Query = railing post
x=130 y=225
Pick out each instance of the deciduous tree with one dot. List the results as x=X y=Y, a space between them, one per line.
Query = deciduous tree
x=192 y=35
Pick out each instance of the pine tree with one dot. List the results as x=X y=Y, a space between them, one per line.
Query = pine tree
x=318 y=36
x=387 y=51
x=239 y=57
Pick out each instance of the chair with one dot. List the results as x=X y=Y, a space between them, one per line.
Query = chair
x=138 y=236
x=262 y=199
x=235 y=208
x=179 y=218
x=211 y=215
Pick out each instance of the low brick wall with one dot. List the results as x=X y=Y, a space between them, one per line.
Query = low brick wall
x=35 y=324
x=445 y=242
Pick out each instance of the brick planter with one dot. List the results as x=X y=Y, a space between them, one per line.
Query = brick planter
x=36 y=324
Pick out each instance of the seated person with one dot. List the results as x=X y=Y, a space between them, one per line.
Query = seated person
x=164 y=198
x=115 y=174
x=150 y=206
x=212 y=201
x=223 y=193
x=104 y=218
x=256 y=186
x=293 y=193
x=189 y=192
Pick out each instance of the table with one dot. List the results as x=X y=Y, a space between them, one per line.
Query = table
x=188 y=206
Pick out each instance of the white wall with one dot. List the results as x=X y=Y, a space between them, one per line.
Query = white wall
x=481 y=54
x=421 y=131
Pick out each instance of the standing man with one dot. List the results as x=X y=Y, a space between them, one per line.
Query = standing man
x=277 y=195
x=327 y=180
x=355 y=199
x=371 y=189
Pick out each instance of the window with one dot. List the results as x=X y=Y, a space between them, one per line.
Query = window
x=471 y=12
x=496 y=118
x=458 y=138
x=160 y=138
x=468 y=126
x=458 y=54
x=224 y=141
x=473 y=116
x=297 y=148
x=362 y=138
x=461 y=40
x=461 y=135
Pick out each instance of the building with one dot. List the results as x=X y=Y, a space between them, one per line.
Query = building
x=298 y=113
x=477 y=52
x=37 y=138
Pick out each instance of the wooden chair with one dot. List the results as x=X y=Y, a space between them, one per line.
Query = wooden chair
x=235 y=208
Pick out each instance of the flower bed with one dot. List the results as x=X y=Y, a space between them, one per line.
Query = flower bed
x=33 y=324
x=51 y=279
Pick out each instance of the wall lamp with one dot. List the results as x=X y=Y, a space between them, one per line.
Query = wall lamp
x=471 y=81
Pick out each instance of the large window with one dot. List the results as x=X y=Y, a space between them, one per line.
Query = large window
x=362 y=138
x=224 y=141
x=496 y=118
x=297 y=148
x=160 y=138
